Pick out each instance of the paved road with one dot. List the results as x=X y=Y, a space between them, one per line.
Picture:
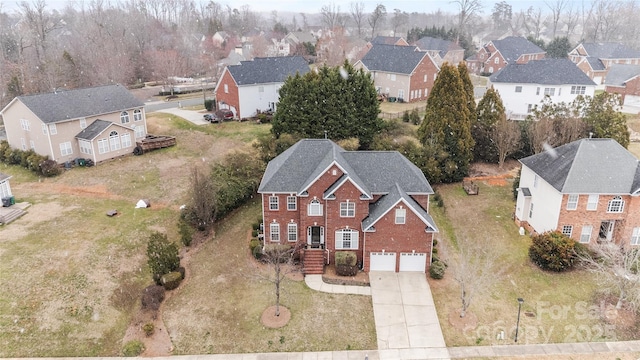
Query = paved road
x=190 y=115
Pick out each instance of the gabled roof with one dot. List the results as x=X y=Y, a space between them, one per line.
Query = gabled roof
x=442 y=46
x=95 y=129
x=396 y=195
x=385 y=40
x=4 y=177
x=619 y=74
x=595 y=63
x=544 y=72
x=373 y=171
x=268 y=70
x=393 y=59
x=610 y=51
x=587 y=166
x=302 y=37
x=63 y=105
x=512 y=47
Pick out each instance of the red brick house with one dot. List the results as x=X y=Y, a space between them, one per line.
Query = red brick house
x=588 y=189
x=496 y=54
x=595 y=59
x=624 y=79
x=324 y=199
x=401 y=72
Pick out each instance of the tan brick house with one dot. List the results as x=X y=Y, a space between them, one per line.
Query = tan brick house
x=324 y=199
x=588 y=189
x=97 y=123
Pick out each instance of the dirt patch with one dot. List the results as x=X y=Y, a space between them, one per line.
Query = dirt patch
x=271 y=320
x=468 y=322
x=36 y=214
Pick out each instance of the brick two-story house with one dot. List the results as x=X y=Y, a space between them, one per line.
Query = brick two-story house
x=588 y=189
x=595 y=59
x=402 y=72
x=497 y=54
x=624 y=79
x=321 y=198
x=441 y=50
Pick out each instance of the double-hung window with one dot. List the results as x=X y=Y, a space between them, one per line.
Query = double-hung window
x=592 y=202
x=273 y=203
x=572 y=201
x=292 y=230
x=585 y=235
x=315 y=208
x=347 y=239
x=137 y=115
x=291 y=203
x=124 y=117
x=347 y=209
x=401 y=216
x=65 y=148
x=635 y=236
x=274 y=232
x=114 y=141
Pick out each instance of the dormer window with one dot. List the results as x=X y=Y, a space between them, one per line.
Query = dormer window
x=401 y=216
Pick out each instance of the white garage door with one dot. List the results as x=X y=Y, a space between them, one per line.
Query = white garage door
x=413 y=261
x=382 y=261
x=633 y=100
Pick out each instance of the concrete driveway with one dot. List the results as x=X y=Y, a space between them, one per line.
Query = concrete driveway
x=405 y=316
x=189 y=115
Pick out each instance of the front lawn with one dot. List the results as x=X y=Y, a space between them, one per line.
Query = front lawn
x=558 y=307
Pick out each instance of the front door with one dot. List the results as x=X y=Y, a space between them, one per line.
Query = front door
x=606 y=230
x=315 y=236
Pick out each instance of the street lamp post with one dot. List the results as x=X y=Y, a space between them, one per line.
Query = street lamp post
x=520 y=301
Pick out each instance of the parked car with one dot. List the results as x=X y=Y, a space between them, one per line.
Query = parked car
x=219 y=116
x=225 y=114
x=212 y=118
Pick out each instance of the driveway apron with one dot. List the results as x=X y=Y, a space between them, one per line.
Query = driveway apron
x=404 y=312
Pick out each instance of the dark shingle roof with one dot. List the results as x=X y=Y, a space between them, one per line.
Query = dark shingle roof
x=587 y=166
x=385 y=40
x=387 y=202
x=512 y=47
x=73 y=104
x=620 y=73
x=596 y=64
x=393 y=59
x=544 y=72
x=94 y=129
x=373 y=171
x=268 y=70
x=610 y=51
x=443 y=46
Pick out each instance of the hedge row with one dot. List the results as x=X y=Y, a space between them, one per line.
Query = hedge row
x=28 y=159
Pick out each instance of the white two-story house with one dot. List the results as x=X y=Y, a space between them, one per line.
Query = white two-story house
x=522 y=87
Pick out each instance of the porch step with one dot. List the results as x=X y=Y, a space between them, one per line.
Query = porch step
x=313 y=262
x=8 y=215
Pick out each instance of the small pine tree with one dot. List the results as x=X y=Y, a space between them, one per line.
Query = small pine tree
x=162 y=255
x=488 y=113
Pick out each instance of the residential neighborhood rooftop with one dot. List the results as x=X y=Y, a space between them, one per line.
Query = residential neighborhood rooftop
x=62 y=105
x=268 y=70
x=610 y=50
x=392 y=58
x=588 y=166
x=544 y=72
x=512 y=47
x=443 y=46
x=619 y=74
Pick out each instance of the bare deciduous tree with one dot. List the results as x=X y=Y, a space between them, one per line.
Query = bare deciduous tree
x=556 y=8
x=201 y=208
x=617 y=271
x=377 y=18
x=506 y=137
x=357 y=14
x=280 y=259
x=467 y=9
x=332 y=17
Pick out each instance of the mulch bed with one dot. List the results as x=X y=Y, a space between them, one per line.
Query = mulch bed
x=270 y=320
x=330 y=277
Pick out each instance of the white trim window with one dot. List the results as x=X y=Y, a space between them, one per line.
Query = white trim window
x=114 y=140
x=347 y=239
x=635 y=236
x=578 y=90
x=25 y=124
x=126 y=140
x=549 y=91
x=139 y=131
x=572 y=201
x=53 y=129
x=292 y=204
x=103 y=146
x=616 y=205
x=45 y=129
x=23 y=143
x=292 y=232
x=401 y=216
x=393 y=77
x=567 y=230
x=592 y=203
x=530 y=210
x=274 y=232
x=518 y=89
x=124 y=117
x=83 y=123
x=85 y=147
x=32 y=144
x=226 y=88
x=315 y=208
x=137 y=115
x=273 y=203
x=535 y=181
x=65 y=148
x=347 y=209
x=585 y=235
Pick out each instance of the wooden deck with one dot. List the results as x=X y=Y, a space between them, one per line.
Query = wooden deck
x=11 y=213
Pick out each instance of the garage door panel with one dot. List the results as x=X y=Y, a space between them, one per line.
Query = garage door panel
x=382 y=261
x=413 y=262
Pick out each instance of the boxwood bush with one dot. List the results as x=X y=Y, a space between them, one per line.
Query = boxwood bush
x=346 y=263
x=437 y=269
x=553 y=251
x=171 y=280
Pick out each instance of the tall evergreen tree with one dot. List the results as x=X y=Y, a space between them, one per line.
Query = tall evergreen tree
x=468 y=88
x=447 y=124
x=490 y=109
x=604 y=119
x=340 y=102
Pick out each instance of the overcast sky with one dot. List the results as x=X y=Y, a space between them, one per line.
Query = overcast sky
x=307 y=6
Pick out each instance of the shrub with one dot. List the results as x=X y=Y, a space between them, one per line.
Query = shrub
x=182 y=271
x=438 y=199
x=133 y=348
x=186 y=232
x=437 y=269
x=255 y=226
x=49 y=168
x=171 y=280
x=152 y=297
x=553 y=251
x=4 y=146
x=162 y=255
x=256 y=248
x=405 y=117
x=254 y=233
x=415 y=117
x=208 y=104
x=346 y=263
x=148 y=329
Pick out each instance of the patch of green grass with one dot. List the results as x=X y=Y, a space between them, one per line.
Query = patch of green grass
x=561 y=305
x=18 y=173
x=245 y=131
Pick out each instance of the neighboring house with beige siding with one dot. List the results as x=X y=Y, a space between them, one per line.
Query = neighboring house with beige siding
x=97 y=123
